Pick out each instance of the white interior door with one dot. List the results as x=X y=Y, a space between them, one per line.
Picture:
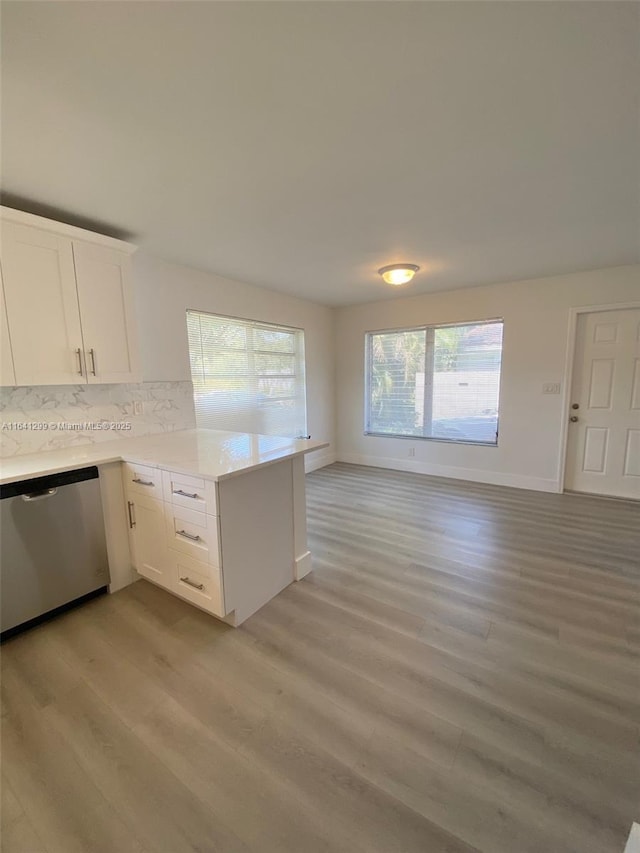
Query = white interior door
x=603 y=451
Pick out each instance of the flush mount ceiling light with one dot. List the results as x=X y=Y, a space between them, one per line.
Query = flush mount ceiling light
x=398 y=273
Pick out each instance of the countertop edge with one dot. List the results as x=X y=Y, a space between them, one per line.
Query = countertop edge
x=216 y=478
x=140 y=459
x=49 y=470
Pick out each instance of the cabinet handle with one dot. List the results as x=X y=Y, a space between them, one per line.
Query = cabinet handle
x=79 y=354
x=132 y=520
x=194 y=538
x=191 y=583
x=92 y=353
x=192 y=495
x=143 y=482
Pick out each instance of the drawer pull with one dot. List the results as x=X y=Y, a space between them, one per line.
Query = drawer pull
x=143 y=482
x=132 y=518
x=191 y=583
x=192 y=536
x=192 y=495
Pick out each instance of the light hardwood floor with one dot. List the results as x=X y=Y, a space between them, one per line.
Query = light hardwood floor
x=459 y=673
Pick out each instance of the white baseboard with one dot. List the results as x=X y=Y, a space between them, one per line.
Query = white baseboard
x=633 y=844
x=475 y=475
x=313 y=461
x=302 y=565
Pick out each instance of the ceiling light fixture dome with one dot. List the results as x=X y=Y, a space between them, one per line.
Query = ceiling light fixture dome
x=398 y=273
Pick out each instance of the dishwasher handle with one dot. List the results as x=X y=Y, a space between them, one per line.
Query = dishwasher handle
x=40 y=496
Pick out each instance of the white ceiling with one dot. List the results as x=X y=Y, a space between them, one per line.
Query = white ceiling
x=302 y=145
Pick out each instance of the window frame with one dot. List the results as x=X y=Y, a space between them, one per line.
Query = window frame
x=424 y=327
x=299 y=376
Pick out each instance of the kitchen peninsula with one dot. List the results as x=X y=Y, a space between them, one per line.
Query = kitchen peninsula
x=217 y=518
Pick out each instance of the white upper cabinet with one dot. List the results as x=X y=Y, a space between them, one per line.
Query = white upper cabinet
x=106 y=308
x=42 y=306
x=7 y=373
x=68 y=303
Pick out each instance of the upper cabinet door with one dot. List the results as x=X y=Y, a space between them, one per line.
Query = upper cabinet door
x=7 y=373
x=42 y=306
x=103 y=277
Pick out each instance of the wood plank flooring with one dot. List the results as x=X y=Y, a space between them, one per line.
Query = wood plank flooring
x=459 y=673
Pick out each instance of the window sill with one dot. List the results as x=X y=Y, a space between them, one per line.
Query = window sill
x=430 y=438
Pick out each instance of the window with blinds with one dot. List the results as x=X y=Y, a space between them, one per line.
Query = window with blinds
x=440 y=382
x=247 y=376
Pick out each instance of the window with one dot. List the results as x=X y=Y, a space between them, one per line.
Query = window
x=247 y=376
x=439 y=382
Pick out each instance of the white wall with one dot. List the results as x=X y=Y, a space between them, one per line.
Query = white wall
x=165 y=291
x=536 y=327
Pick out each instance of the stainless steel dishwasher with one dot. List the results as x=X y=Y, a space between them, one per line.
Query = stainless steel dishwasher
x=53 y=551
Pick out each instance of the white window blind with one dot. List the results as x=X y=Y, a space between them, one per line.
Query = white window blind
x=247 y=376
x=439 y=382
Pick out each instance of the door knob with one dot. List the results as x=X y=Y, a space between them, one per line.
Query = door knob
x=575 y=405
x=573 y=418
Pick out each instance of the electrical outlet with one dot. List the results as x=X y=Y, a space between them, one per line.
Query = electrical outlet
x=551 y=388
x=412 y=451
x=138 y=407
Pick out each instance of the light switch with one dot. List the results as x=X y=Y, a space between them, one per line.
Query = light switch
x=138 y=407
x=551 y=388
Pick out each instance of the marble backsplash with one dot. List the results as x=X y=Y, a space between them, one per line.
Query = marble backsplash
x=48 y=417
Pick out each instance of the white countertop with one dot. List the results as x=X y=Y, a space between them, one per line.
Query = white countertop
x=211 y=454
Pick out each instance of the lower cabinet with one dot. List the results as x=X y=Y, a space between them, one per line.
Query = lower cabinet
x=197 y=582
x=227 y=547
x=177 y=549
x=192 y=533
x=147 y=537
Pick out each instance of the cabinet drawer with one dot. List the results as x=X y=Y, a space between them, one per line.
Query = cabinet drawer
x=143 y=480
x=195 y=582
x=193 y=533
x=189 y=492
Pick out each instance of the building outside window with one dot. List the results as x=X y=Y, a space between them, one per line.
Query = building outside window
x=436 y=382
